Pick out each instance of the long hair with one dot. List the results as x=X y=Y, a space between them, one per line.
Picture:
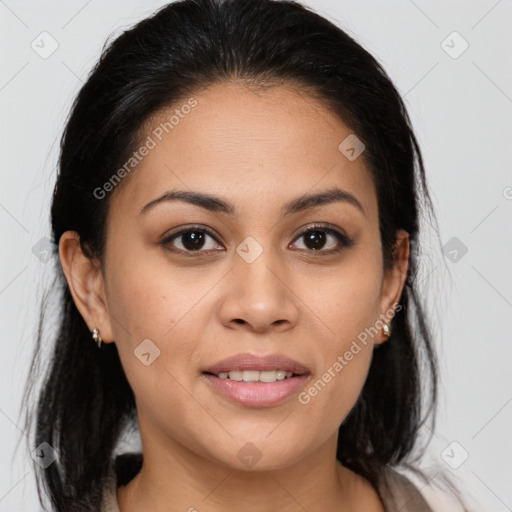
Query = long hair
x=84 y=401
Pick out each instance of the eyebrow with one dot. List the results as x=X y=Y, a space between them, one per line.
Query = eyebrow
x=216 y=204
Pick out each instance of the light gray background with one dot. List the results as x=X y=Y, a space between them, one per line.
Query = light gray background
x=461 y=109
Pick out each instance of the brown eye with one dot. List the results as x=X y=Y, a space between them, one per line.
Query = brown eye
x=317 y=237
x=191 y=239
x=200 y=240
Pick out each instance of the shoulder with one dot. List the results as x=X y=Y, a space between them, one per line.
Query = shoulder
x=399 y=493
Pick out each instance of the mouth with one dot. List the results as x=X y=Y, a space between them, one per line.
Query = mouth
x=248 y=364
x=256 y=381
x=265 y=376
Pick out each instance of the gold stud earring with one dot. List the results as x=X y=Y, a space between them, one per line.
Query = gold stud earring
x=96 y=337
x=386 y=328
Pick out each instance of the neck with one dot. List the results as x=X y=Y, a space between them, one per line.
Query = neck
x=178 y=477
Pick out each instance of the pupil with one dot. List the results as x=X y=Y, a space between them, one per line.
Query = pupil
x=315 y=237
x=193 y=240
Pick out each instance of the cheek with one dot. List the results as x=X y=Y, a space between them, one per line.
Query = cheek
x=334 y=390
x=159 y=316
x=346 y=308
x=150 y=299
x=345 y=302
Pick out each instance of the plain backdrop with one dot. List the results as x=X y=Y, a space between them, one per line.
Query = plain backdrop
x=451 y=61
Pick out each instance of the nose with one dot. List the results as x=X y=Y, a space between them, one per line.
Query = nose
x=259 y=296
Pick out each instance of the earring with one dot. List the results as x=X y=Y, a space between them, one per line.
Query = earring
x=96 y=337
x=386 y=328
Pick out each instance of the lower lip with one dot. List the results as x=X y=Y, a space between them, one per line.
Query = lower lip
x=256 y=394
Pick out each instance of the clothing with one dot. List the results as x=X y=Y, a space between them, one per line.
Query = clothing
x=396 y=491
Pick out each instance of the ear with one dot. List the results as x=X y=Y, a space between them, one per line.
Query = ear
x=394 y=281
x=86 y=283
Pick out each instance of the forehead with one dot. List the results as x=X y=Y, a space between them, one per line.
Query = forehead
x=253 y=146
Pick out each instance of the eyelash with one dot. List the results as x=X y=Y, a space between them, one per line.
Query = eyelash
x=344 y=241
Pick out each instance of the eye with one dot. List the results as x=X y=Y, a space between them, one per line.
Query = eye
x=195 y=239
x=316 y=237
x=192 y=239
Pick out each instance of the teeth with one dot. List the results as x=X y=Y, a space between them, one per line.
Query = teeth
x=250 y=376
x=255 y=376
x=235 y=375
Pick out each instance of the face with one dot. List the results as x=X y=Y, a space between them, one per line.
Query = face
x=186 y=286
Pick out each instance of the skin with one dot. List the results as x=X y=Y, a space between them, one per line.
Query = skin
x=258 y=150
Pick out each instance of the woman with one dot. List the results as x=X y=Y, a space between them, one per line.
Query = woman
x=236 y=216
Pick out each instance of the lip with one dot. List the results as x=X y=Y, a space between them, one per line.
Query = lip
x=257 y=394
x=249 y=361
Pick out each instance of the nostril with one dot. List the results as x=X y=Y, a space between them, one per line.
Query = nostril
x=239 y=321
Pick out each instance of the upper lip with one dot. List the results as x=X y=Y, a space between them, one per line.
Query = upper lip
x=248 y=361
